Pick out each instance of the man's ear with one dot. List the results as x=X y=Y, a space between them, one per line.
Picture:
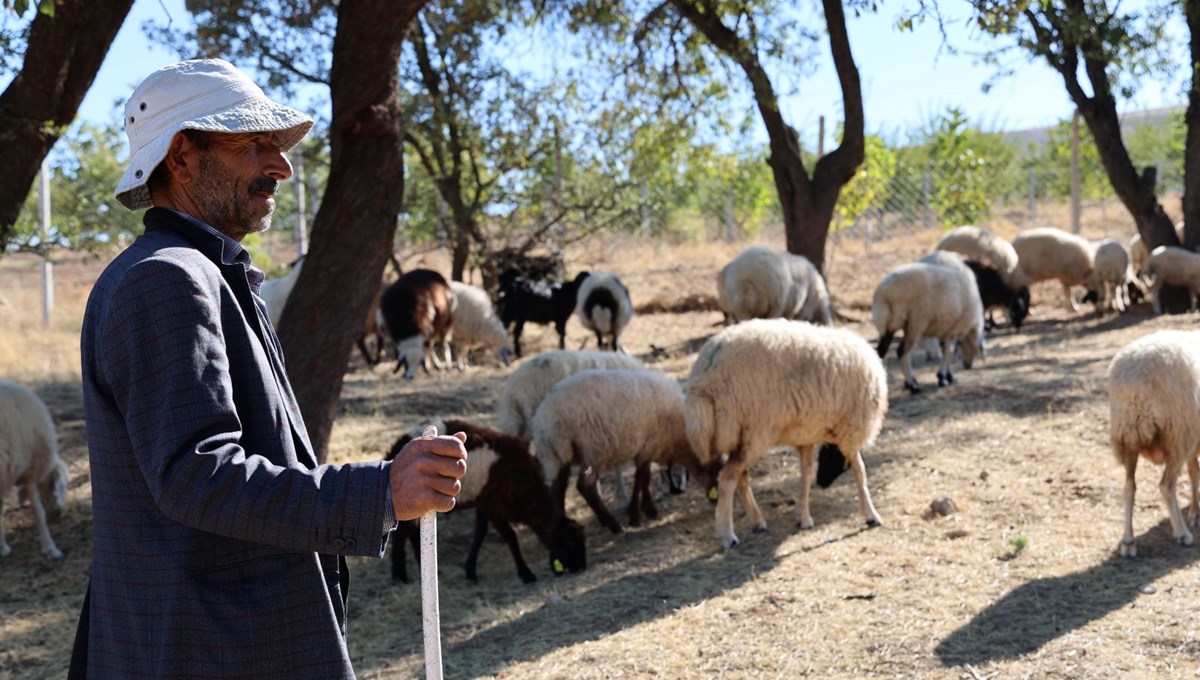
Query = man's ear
x=182 y=159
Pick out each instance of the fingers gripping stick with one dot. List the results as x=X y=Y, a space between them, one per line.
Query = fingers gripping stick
x=430 y=615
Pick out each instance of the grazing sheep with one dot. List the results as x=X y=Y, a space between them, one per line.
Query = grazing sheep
x=604 y=307
x=29 y=460
x=1171 y=266
x=975 y=243
x=524 y=300
x=929 y=301
x=765 y=283
x=601 y=419
x=1047 y=253
x=771 y=382
x=505 y=486
x=275 y=292
x=1138 y=253
x=1154 y=399
x=476 y=325
x=1114 y=276
x=993 y=290
x=415 y=310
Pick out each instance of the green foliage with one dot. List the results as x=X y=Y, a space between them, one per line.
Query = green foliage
x=1056 y=155
x=1018 y=544
x=1160 y=144
x=965 y=163
x=870 y=185
x=84 y=214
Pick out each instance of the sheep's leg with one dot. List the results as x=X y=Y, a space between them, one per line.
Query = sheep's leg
x=600 y=344
x=944 y=376
x=1166 y=487
x=1193 y=513
x=620 y=487
x=1120 y=298
x=514 y=546
x=648 y=505
x=1156 y=295
x=641 y=487
x=808 y=468
x=481 y=527
x=910 y=382
x=561 y=328
x=1128 y=547
x=586 y=484
x=752 y=510
x=1070 y=298
x=517 y=328
x=727 y=487
x=558 y=490
x=408 y=530
x=5 y=548
x=39 y=513
x=865 y=506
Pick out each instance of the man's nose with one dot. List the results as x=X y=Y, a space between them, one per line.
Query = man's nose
x=274 y=163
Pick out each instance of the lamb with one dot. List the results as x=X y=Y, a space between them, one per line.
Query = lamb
x=476 y=325
x=764 y=282
x=975 y=243
x=929 y=300
x=1048 y=253
x=417 y=309
x=601 y=419
x=275 y=292
x=1154 y=396
x=994 y=291
x=1114 y=276
x=524 y=300
x=505 y=485
x=604 y=307
x=1173 y=266
x=770 y=382
x=29 y=460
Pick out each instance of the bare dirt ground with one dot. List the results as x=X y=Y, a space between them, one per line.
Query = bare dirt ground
x=1023 y=581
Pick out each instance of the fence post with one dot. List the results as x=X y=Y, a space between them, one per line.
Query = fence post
x=301 y=225
x=1075 y=198
x=47 y=266
x=1032 y=197
x=820 y=137
x=926 y=192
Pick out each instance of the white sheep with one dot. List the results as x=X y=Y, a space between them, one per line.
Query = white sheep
x=980 y=244
x=1113 y=275
x=1138 y=253
x=275 y=292
x=476 y=324
x=929 y=301
x=525 y=388
x=29 y=460
x=604 y=307
x=1172 y=266
x=770 y=382
x=601 y=419
x=1154 y=399
x=766 y=283
x=1047 y=253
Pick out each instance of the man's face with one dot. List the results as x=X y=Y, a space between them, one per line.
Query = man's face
x=238 y=179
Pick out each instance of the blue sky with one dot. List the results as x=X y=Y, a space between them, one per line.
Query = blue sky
x=905 y=81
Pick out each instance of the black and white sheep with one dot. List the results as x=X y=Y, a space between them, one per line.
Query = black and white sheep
x=601 y=419
x=604 y=307
x=506 y=486
x=476 y=325
x=523 y=300
x=765 y=283
x=1154 y=396
x=1172 y=266
x=770 y=382
x=1047 y=253
x=994 y=290
x=929 y=301
x=29 y=461
x=416 y=310
x=976 y=243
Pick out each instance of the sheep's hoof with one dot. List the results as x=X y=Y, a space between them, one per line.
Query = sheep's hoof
x=946 y=379
x=805 y=524
x=1127 y=549
x=1185 y=538
x=731 y=543
x=528 y=578
x=874 y=522
x=616 y=528
x=54 y=554
x=912 y=387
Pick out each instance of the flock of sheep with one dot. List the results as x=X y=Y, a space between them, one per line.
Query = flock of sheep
x=779 y=374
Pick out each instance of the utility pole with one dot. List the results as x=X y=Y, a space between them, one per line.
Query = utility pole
x=47 y=267
x=1076 y=208
x=821 y=137
x=301 y=224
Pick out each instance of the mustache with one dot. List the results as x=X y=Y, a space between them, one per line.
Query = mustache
x=265 y=185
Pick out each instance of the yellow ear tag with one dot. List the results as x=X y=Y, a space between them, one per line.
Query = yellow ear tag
x=558 y=566
x=712 y=494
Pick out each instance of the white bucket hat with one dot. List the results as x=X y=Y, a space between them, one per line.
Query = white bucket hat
x=202 y=94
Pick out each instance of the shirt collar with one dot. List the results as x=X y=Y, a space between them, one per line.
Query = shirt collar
x=232 y=252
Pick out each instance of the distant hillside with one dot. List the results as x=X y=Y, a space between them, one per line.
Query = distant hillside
x=1038 y=136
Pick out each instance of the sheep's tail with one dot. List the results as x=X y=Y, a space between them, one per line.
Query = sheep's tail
x=1134 y=430
x=510 y=418
x=701 y=427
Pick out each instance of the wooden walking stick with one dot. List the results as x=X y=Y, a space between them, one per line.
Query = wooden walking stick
x=430 y=615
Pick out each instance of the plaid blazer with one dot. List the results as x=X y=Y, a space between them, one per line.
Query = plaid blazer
x=217 y=537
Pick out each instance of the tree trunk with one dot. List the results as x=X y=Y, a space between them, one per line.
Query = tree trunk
x=807 y=204
x=1191 y=149
x=61 y=60
x=461 y=254
x=353 y=233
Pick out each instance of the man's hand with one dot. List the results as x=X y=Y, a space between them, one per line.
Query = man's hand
x=424 y=475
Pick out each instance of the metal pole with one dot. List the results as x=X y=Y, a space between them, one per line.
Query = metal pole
x=821 y=137
x=1075 y=192
x=301 y=223
x=47 y=267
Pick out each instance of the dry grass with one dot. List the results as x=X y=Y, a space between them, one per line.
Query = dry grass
x=1020 y=445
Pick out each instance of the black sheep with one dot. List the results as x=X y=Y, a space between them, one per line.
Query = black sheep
x=524 y=300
